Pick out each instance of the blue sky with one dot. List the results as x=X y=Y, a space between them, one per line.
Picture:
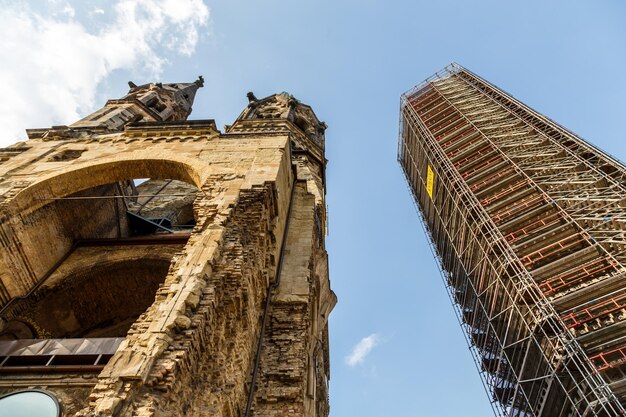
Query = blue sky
x=350 y=60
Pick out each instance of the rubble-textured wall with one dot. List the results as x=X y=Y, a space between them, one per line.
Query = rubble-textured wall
x=213 y=378
x=282 y=384
x=200 y=331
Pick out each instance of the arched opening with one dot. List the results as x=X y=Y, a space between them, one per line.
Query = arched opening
x=92 y=174
x=100 y=301
x=90 y=256
x=27 y=403
x=92 y=201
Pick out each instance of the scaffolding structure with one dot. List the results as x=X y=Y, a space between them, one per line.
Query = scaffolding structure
x=529 y=224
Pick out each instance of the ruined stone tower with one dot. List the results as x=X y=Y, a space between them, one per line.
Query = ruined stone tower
x=155 y=266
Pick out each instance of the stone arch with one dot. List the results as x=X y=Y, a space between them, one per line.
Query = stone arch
x=94 y=285
x=28 y=216
x=102 y=301
x=99 y=300
x=106 y=257
x=97 y=172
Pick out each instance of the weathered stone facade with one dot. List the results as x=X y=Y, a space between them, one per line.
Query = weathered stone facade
x=206 y=283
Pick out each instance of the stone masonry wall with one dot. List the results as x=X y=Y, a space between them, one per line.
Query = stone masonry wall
x=192 y=352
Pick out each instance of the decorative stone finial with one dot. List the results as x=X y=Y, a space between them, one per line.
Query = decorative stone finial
x=251 y=97
x=200 y=81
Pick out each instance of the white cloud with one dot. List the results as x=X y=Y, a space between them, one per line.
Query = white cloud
x=53 y=63
x=61 y=7
x=362 y=349
x=96 y=11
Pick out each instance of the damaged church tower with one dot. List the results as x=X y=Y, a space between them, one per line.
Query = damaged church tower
x=154 y=266
x=528 y=223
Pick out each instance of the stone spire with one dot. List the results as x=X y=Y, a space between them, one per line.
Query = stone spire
x=152 y=102
x=171 y=102
x=283 y=106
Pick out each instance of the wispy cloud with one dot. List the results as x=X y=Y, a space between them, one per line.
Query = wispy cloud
x=54 y=63
x=362 y=349
x=96 y=11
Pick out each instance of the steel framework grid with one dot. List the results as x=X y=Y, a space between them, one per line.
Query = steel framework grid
x=528 y=223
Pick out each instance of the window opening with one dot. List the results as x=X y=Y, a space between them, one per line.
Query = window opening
x=30 y=403
x=118 y=240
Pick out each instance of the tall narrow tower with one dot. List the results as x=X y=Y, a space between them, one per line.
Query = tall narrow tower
x=152 y=265
x=529 y=224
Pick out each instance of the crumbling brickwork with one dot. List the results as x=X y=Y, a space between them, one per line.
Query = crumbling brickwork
x=174 y=273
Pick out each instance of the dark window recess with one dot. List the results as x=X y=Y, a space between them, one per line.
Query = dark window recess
x=66 y=155
x=160 y=106
x=156 y=104
x=146 y=226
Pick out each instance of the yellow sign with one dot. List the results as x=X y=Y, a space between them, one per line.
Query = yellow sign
x=430 y=180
